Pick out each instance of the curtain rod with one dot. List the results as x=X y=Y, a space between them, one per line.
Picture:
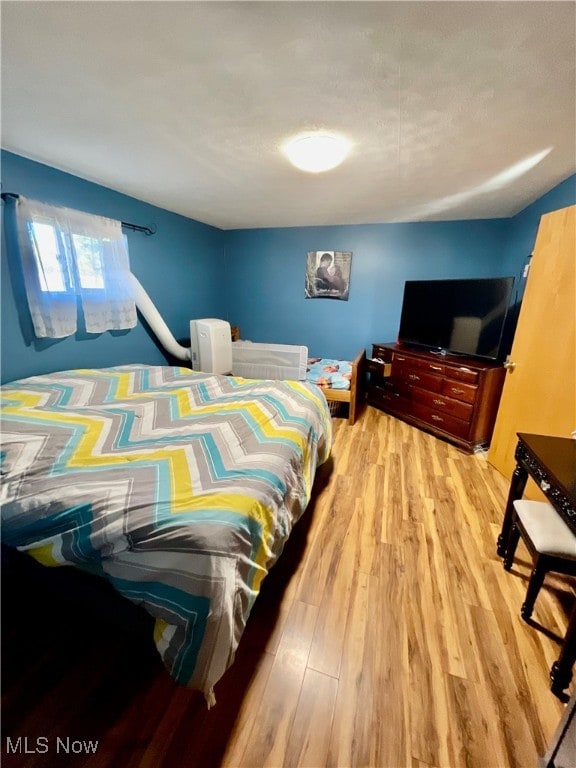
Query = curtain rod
x=134 y=227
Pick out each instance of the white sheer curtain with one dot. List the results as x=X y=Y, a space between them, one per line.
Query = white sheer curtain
x=74 y=260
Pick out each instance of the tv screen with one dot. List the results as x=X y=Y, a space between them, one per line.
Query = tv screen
x=464 y=317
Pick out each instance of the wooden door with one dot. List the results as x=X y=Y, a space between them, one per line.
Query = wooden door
x=539 y=394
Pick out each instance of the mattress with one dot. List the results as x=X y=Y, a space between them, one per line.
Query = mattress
x=179 y=488
x=328 y=373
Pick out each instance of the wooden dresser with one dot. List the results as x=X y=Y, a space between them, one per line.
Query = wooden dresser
x=454 y=397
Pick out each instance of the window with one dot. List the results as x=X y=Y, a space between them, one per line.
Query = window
x=73 y=261
x=89 y=261
x=50 y=269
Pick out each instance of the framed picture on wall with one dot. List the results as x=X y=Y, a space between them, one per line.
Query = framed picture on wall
x=328 y=275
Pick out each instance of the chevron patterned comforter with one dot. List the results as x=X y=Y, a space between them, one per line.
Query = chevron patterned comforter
x=178 y=487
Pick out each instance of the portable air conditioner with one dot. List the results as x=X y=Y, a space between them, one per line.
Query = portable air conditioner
x=211 y=345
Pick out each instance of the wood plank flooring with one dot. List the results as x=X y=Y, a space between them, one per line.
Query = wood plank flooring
x=388 y=635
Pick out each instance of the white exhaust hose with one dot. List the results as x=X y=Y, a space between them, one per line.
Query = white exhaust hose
x=156 y=322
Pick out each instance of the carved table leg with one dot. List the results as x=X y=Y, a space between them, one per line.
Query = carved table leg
x=517 y=485
x=561 y=672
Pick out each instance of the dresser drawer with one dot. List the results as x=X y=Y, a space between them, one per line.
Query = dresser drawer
x=382 y=370
x=443 y=404
x=462 y=373
x=417 y=377
x=388 y=399
x=407 y=361
x=432 y=366
x=398 y=386
x=459 y=390
x=442 y=421
x=382 y=352
x=453 y=396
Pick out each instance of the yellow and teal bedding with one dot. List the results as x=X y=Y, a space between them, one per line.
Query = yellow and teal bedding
x=180 y=488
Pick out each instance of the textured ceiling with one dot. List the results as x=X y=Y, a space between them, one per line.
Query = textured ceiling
x=455 y=110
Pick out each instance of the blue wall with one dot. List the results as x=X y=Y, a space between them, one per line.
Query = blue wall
x=267 y=268
x=255 y=278
x=176 y=266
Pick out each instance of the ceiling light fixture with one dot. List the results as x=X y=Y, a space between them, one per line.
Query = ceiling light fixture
x=317 y=152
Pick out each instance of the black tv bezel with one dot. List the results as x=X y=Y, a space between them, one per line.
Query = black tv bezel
x=444 y=351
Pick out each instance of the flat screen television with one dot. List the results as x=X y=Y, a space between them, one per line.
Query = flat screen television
x=466 y=317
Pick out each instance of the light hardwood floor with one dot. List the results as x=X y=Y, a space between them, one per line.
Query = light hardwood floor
x=388 y=635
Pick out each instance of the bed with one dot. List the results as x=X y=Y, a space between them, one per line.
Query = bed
x=290 y=361
x=179 y=488
x=333 y=375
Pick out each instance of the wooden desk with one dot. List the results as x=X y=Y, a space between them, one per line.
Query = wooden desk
x=551 y=462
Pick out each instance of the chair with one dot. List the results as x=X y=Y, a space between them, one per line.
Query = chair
x=550 y=542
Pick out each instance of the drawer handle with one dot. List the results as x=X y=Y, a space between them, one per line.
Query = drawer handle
x=400 y=358
x=436 y=367
x=437 y=418
x=545 y=486
x=438 y=402
x=457 y=391
x=413 y=377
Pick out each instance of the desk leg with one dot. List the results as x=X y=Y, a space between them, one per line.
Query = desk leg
x=561 y=672
x=517 y=485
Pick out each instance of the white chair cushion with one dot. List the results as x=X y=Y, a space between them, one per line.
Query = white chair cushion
x=548 y=532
